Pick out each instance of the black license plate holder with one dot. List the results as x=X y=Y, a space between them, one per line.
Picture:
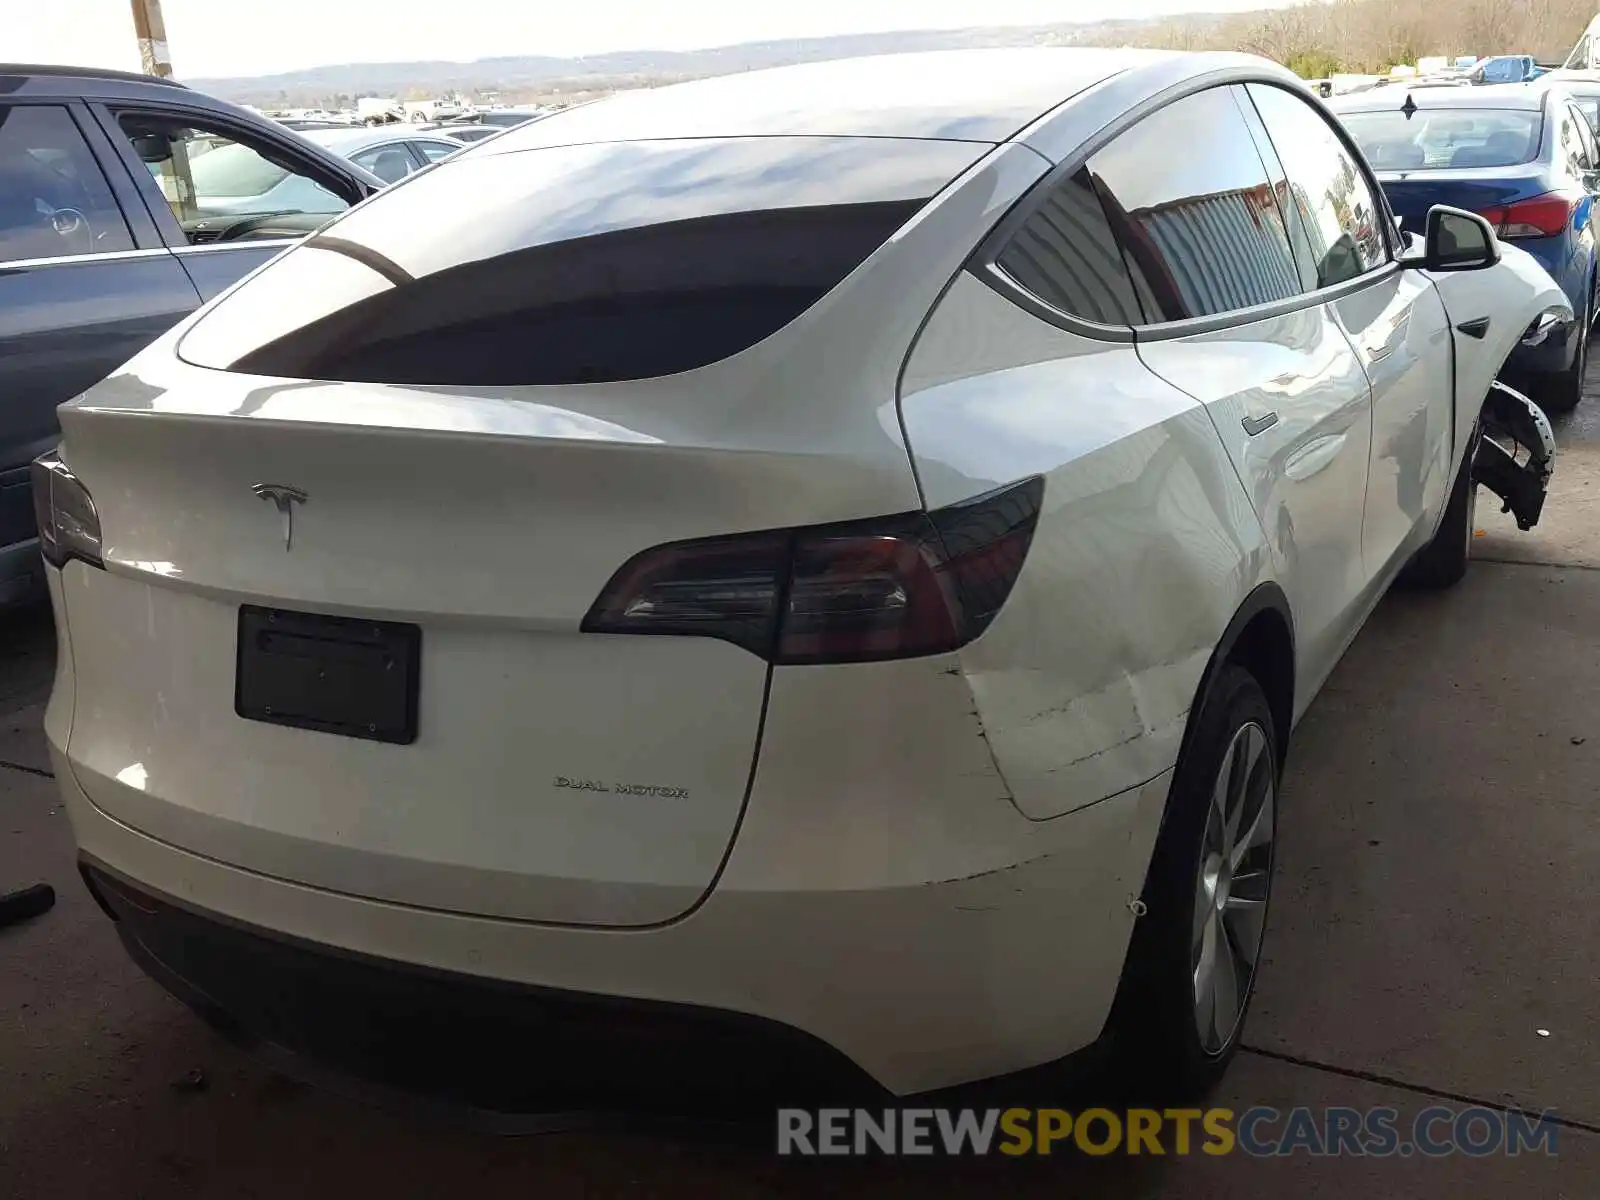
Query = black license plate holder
x=341 y=675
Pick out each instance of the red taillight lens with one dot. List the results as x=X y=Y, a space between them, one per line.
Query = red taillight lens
x=1540 y=216
x=896 y=587
x=725 y=588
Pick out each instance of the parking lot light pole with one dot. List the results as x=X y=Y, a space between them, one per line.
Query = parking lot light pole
x=154 y=57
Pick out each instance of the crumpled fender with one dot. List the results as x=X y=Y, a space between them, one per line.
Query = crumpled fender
x=1511 y=296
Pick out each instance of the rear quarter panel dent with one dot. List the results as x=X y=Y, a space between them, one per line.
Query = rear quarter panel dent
x=1145 y=547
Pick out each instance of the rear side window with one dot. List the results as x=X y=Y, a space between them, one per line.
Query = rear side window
x=1190 y=201
x=1574 y=148
x=1066 y=255
x=1589 y=106
x=434 y=151
x=577 y=264
x=1585 y=127
x=53 y=199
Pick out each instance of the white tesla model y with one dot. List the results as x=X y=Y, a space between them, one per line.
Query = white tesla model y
x=824 y=560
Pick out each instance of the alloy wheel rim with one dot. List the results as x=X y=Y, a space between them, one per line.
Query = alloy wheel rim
x=1231 y=886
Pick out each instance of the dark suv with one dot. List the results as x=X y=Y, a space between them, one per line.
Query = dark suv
x=125 y=201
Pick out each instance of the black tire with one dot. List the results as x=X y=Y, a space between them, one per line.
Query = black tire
x=1561 y=393
x=1155 y=1022
x=1443 y=561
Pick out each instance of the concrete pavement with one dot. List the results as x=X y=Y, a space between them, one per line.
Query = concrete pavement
x=1439 y=843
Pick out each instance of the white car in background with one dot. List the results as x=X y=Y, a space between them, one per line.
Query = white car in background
x=234 y=178
x=825 y=560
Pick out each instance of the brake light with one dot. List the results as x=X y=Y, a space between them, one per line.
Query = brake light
x=1540 y=216
x=859 y=591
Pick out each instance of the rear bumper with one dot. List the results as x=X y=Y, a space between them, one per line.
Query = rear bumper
x=920 y=986
x=469 y=1042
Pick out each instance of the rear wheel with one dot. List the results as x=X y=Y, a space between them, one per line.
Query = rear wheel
x=1192 y=962
x=1561 y=393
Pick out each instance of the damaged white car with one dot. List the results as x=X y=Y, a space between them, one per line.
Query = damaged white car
x=824 y=560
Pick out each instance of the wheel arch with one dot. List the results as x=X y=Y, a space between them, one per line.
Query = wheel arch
x=1259 y=638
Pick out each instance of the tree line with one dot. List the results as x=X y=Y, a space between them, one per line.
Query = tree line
x=1317 y=38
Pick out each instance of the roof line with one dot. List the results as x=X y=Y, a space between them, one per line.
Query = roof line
x=59 y=70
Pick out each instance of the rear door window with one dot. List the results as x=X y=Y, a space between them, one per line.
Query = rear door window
x=54 y=201
x=1338 y=209
x=1199 y=224
x=216 y=181
x=576 y=264
x=390 y=163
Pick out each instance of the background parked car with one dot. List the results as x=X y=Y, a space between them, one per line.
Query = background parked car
x=104 y=242
x=389 y=153
x=1505 y=68
x=1585 y=92
x=466 y=133
x=1523 y=157
x=508 y=117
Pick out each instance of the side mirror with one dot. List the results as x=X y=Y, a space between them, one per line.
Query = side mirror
x=1456 y=240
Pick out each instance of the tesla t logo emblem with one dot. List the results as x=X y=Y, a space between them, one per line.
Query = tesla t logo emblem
x=285 y=497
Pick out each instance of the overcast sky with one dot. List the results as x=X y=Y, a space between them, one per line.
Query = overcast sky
x=258 y=37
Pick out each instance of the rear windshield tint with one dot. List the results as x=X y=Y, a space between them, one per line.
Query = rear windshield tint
x=1446 y=138
x=576 y=264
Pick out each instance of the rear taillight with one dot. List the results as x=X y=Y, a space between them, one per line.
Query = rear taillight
x=1540 y=216
x=69 y=526
x=891 y=587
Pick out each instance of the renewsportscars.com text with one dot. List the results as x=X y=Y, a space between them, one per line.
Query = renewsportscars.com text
x=1259 y=1132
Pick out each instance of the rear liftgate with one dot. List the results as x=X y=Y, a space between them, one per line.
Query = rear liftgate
x=1513 y=424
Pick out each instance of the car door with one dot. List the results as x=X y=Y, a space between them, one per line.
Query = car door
x=1575 y=159
x=1229 y=321
x=226 y=197
x=79 y=292
x=1393 y=318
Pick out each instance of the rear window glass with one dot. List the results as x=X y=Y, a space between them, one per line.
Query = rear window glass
x=575 y=264
x=1446 y=138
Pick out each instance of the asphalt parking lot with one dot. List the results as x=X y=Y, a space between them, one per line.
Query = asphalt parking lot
x=1432 y=941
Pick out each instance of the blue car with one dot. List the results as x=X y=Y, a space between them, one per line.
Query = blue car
x=1525 y=158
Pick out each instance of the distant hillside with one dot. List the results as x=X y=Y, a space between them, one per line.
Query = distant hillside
x=527 y=75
